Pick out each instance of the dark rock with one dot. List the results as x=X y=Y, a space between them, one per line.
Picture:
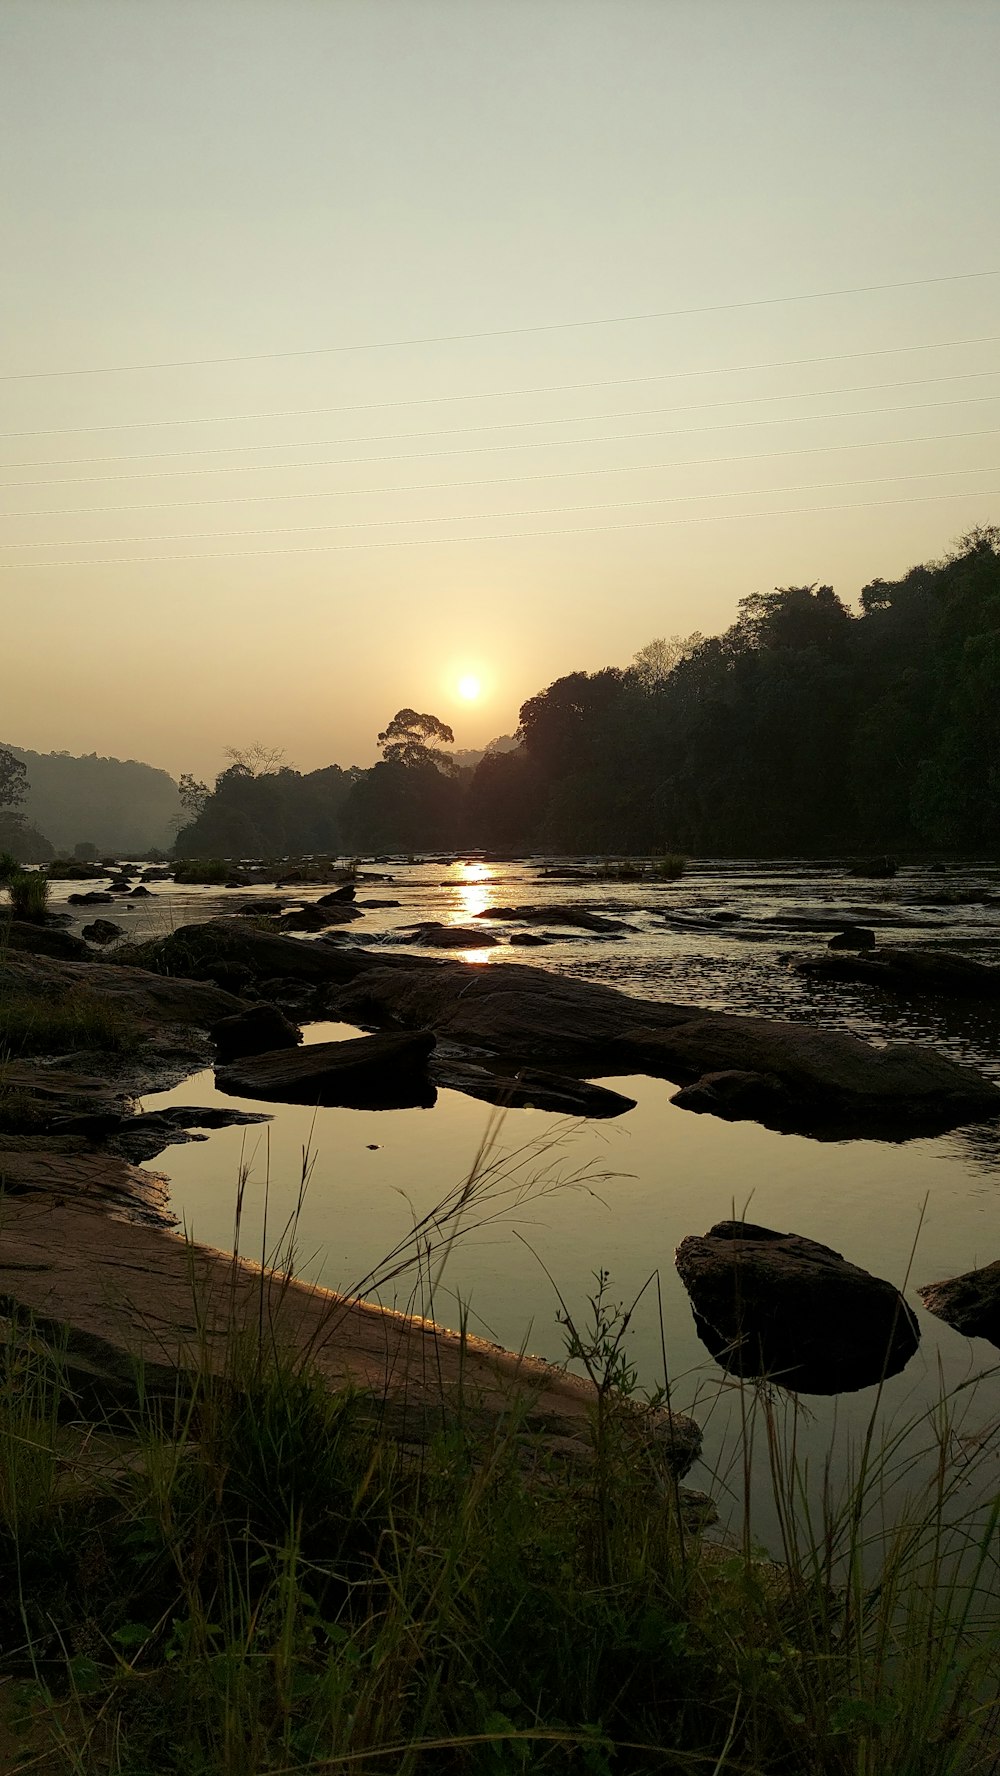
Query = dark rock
x=42 y=940
x=528 y=940
x=878 y=869
x=970 y=1302
x=833 y=1084
x=96 y=1125
x=200 y=951
x=103 y=931
x=318 y=917
x=367 y=1072
x=853 y=937
x=151 y=999
x=557 y=915
x=258 y=1030
x=785 y=1307
x=912 y=971
x=337 y=895
x=379 y=903
x=89 y=899
x=435 y=936
x=530 y=1089
x=140 y=893
x=734 y=1094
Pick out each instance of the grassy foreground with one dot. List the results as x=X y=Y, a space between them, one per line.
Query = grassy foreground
x=262 y=1577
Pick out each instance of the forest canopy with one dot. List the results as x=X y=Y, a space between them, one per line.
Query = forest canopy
x=805 y=728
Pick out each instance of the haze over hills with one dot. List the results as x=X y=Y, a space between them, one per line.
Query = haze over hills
x=118 y=805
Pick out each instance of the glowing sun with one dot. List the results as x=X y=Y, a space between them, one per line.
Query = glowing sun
x=469 y=687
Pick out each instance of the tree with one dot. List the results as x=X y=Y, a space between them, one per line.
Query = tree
x=13 y=779
x=255 y=760
x=407 y=740
x=193 y=795
x=653 y=664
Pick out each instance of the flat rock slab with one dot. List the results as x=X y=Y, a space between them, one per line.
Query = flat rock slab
x=970 y=1302
x=785 y=1307
x=435 y=936
x=556 y=915
x=387 y=1072
x=940 y=972
x=131 y=1301
x=46 y=1174
x=530 y=1088
x=818 y=1081
x=153 y=999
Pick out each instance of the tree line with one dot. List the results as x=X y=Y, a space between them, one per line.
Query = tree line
x=804 y=728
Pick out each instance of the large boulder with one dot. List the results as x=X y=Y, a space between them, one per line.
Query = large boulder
x=940 y=972
x=784 y=1307
x=970 y=1302
x=24 y=935
x=151 y=999
x=368 y=1072
x=221 y=946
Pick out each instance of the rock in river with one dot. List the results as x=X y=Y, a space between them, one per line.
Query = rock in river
x=368 y=1072
x=782 y=1306
x=940 y=972
x=970 y=1302
x=258 y=1030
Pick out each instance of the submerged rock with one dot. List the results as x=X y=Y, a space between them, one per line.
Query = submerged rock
x=368 y=1072
x=785 y=1307
x=853 y=937
x=970 y=1302
x=578 y=916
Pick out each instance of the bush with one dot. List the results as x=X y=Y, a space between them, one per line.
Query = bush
x=204 y=871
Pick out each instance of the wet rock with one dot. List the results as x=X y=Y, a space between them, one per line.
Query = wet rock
x=878 y=869
x=367 y=1072
x=939 y=972
x=530 y=1088
x=338 y=895
x=581 y=917
x=258 y=1030
x=529 y=940
x=970 y=1302
x=435 y=936
x=313 y=918
x=89 y=899
x=853 y=937
x=140 y=893
x=734 y=1094
x=379 y=903
x=103 y=931
x=832 y=1084
x=785 y=1307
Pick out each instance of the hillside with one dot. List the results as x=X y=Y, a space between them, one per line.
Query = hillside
x=119 y=805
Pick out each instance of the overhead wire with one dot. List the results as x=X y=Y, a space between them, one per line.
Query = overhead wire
x=562 y=474
x=497 y=332
x=498 y=536
x=522 y=512
x=503 y=425
x=553 y=388
x=485 y=449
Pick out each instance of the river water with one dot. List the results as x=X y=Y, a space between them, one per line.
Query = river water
x=563 y=1201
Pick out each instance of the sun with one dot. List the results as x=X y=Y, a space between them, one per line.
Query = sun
x=469 y=687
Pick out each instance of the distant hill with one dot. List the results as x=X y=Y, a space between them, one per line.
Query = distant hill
x=119 y=805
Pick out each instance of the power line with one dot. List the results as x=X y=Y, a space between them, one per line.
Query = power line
x=677 y=462
x=522 y=512
x=663 y=314
x=498 y=536
x=486 y=449
x=503 y=425
x=553 y=388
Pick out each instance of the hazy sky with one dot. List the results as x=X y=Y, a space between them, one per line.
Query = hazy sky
x=290 y=547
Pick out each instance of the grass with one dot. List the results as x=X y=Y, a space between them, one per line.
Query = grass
x=77 y=1020
x=29 y=894
x=212 y=871
x=261 y=1578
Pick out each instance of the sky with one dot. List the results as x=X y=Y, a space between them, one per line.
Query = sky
x=353 y=347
